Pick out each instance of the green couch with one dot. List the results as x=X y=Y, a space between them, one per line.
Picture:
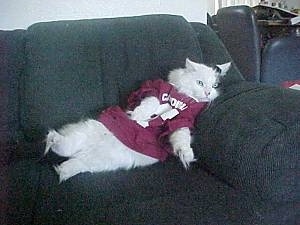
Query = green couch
x=247 y=143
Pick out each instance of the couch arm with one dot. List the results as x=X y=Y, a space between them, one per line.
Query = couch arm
x=250 y=137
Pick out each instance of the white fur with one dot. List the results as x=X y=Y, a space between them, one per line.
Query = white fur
x=185 y=80
x=142 y=113
x=181 y=143
x=91 y=147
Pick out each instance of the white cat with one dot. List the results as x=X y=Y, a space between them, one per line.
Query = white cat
x=108 y=144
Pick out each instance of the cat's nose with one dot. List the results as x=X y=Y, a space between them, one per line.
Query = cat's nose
x=207 y=93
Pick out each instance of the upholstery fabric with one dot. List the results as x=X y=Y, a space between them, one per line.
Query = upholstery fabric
x=214 y=52
x=237 y=27
x=251 y=133
x=11 y=65
x=162 y=194
x=75 y=68
x=280 y=60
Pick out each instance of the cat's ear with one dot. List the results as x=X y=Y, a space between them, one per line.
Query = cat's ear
x=224 y=68
x=190 y=65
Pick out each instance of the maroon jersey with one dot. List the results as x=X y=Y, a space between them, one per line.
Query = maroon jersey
x=179 y=110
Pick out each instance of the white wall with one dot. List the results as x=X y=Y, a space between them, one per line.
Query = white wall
x=293 y=4
x=22 y=13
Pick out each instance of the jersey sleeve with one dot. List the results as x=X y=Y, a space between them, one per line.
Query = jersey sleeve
x=185 y=118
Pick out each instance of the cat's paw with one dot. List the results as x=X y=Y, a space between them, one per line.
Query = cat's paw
x=62 y=173
x=51 y=140
x=145 y=110
x=186 y=156
x=69 y=169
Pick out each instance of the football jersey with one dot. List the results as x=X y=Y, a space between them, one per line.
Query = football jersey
x=176 y=110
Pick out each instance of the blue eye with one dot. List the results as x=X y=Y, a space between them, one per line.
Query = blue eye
x=215 y=85
x=200 y=83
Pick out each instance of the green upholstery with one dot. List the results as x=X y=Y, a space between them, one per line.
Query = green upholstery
x=250 y=138
x=75 y=68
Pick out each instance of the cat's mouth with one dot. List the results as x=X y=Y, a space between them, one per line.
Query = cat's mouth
x=204 y=100
x=201 y=99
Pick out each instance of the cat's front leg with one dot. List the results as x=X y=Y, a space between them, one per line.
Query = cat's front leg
x=145 y=110
x=181 y=143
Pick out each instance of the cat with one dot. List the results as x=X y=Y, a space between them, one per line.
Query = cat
x=126 y=139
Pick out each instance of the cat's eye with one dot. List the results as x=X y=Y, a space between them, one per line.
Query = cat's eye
x=200 y=83
x=215 y=85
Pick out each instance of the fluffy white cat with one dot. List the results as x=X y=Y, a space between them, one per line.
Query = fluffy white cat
x=92 y=147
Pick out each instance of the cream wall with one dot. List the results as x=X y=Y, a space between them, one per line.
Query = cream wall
x=16 y=14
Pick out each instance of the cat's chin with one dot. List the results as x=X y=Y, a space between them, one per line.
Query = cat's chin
x=204 y=100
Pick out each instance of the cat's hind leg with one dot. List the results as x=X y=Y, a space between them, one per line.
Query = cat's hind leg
x=52 y=138
x=71 y=138
x=70 y=168
x=60 y=144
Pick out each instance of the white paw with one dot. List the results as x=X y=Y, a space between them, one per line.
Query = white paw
x=145 y=110
x=186 y=156
x=138 y=115
x=51 y=139
x=69 y=169
x=63 y=173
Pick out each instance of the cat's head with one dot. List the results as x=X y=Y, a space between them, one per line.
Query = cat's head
x=198 y=80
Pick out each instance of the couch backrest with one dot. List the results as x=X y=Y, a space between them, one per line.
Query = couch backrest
x=75 y=68
x=238 y=29
x=59 y=72
x=11 y=67
x=214 y=52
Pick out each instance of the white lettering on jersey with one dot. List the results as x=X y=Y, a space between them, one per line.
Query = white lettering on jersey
x=177 y=104
x=170 y=114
